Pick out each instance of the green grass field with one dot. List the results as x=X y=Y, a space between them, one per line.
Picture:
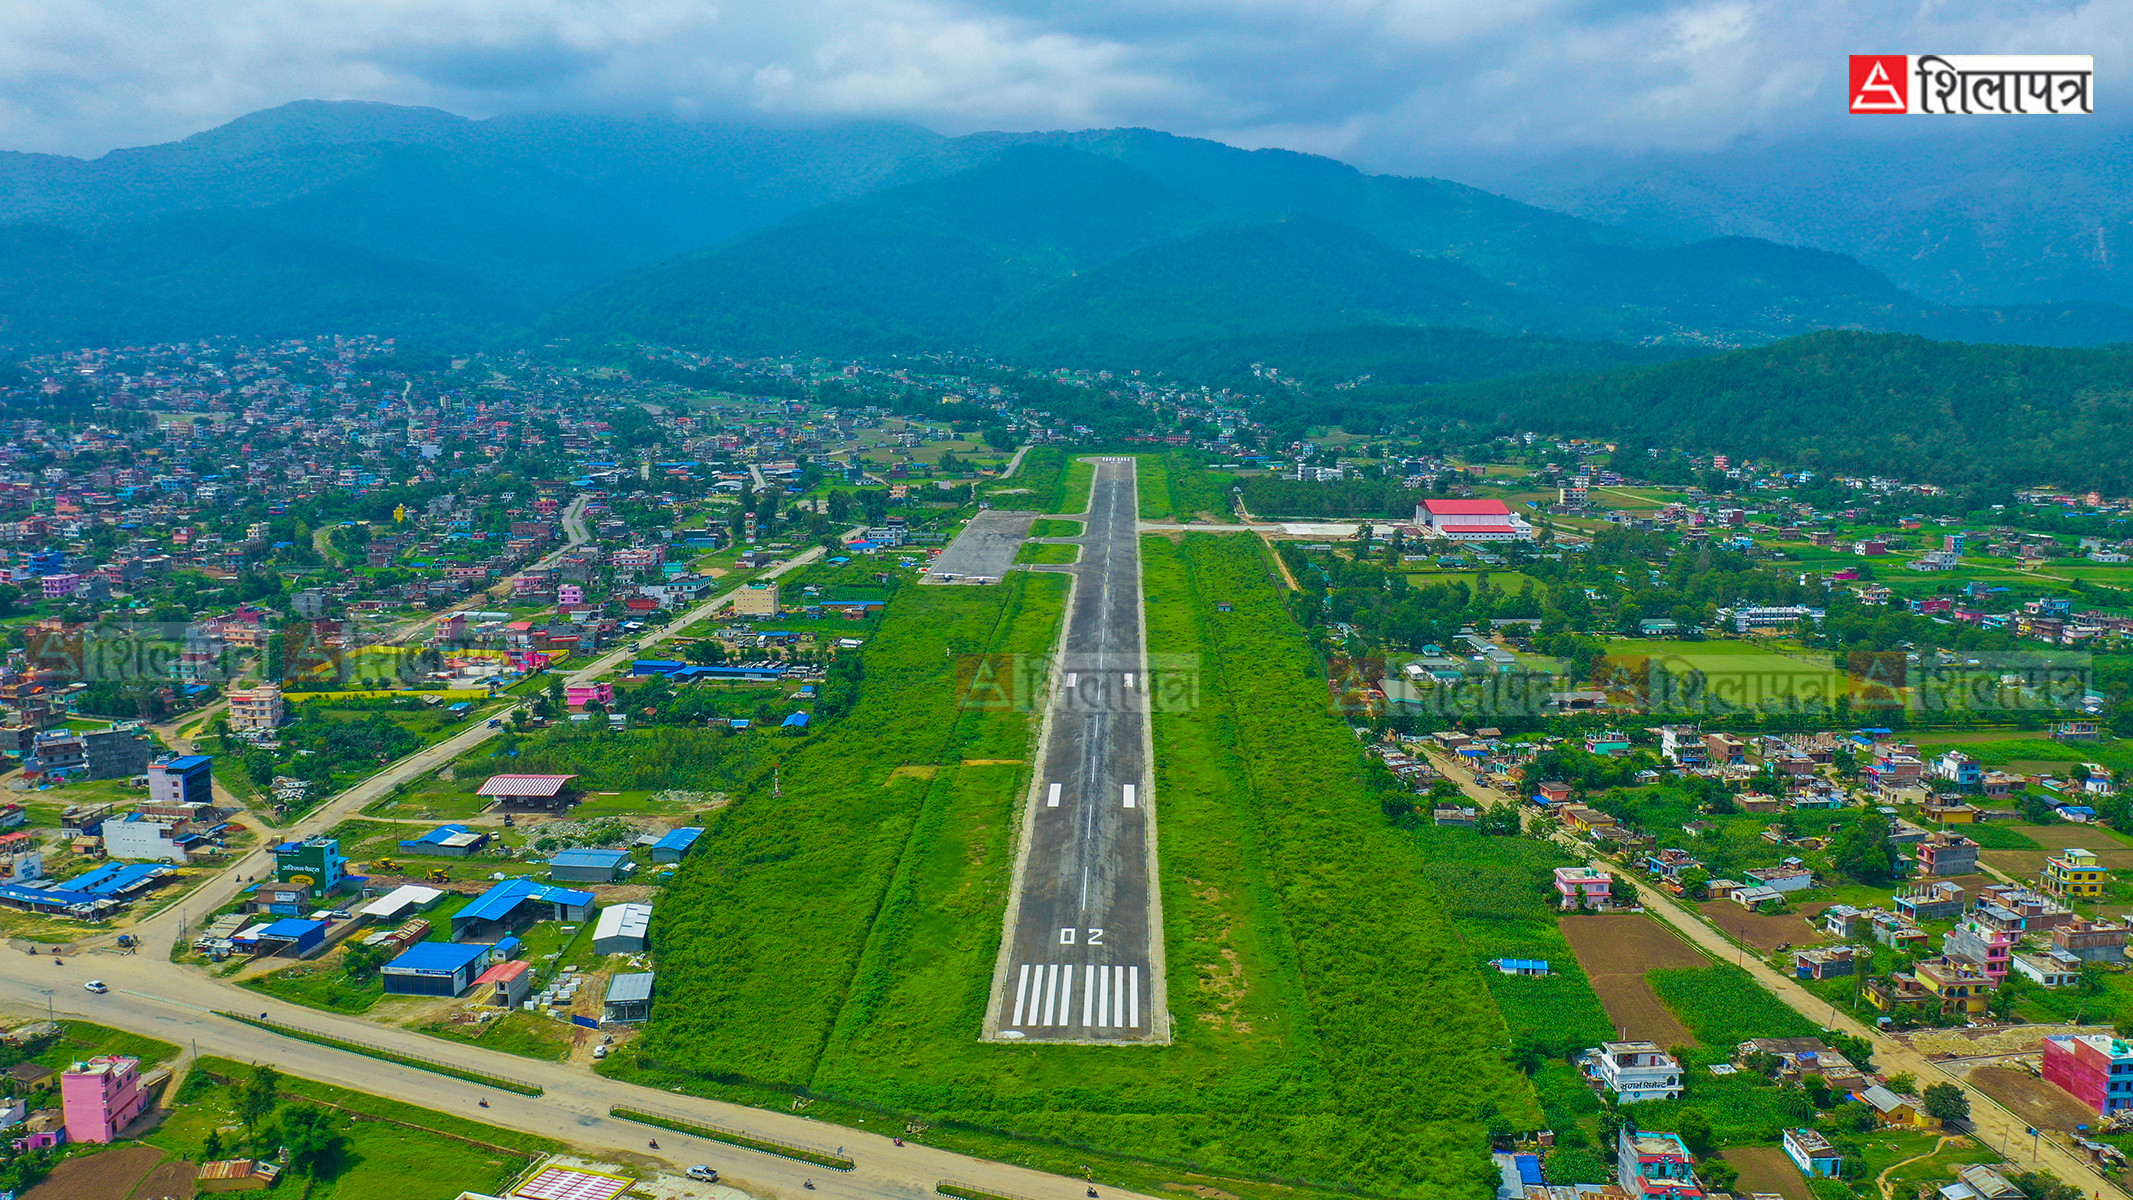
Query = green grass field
x=1048 y=552
x=1055 y=527
x=391 y=1150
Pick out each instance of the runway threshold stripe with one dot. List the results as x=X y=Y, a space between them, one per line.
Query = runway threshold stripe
x=1102 y=977
x=1133 y=989
x=1129 y=679
x=1051 y=993
x=1066 y=995
x=1021 y=990
x=1090 y=1013
x=1072 y=678
x=1129 y=795
x=1051 y=799
x=1118 y=1003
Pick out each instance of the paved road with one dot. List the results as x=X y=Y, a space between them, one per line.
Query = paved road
x=1993 y=1124
x=150 y=996
x=1081 y=959
x=641 y=647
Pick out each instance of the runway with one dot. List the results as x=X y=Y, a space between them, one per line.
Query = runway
x=1081 y=955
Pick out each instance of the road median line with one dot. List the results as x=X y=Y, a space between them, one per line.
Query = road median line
x=732 y=1137
x=416 y=1061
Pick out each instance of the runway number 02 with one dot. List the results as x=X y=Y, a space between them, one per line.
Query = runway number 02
x=1066 y=936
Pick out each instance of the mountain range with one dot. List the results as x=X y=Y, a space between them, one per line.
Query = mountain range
x=1101 y=245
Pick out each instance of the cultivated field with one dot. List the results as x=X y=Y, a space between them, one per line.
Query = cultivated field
x=1616 y=951
x=1764 y=931
x=1766 y=1169
x=108 y=1176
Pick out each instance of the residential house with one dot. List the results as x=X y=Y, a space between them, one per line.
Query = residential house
x=1577 y=886
x=1893 y=1109
x=1781 y=879
x=2097 y=940
x=1983 y=946
x=1827 y=962
x=1651 y=1165
x=1797 y=1058
x=1816 y=1158
x=2073 y=874
x=1895 y=932
x=1946 y=854
x=2050 y=967
x=1957 y=986
x=1635 y=1071
x=1930 y=901
x=101 y=1097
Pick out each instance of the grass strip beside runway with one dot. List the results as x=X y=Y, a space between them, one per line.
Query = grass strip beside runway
x=732 y=1137
x=392 y=1056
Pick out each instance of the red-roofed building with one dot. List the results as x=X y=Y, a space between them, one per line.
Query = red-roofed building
x=1473 y=521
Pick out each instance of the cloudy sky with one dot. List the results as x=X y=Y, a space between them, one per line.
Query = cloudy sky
x=1389 y=84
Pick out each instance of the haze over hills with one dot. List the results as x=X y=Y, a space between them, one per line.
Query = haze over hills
x=866 y=237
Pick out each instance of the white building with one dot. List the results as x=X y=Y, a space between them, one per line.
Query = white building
x=1636 y=1071
x=1473 y=521
x=623 y=929
x=136 y=836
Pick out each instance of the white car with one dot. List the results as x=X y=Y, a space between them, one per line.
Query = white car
x=96 y=985
x=599 y=1052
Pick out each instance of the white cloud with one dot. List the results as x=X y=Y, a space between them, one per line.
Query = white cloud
x=1391 y=83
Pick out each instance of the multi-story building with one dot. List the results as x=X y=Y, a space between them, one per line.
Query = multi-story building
x=756 y=600
x=2073 y=874
x=2092 y=940
x=1956 y=985
x=256 y=709
x=100 y=1097
x=1982 y=946
x=185 y=779
x=1582 y=885
x=1946 y=854
x=1930 y=901
x=139 y=836
x=1472 y=521
x=1649 y=1164
x=2094 y=1068
x=315 y=863
x=1635 y=1071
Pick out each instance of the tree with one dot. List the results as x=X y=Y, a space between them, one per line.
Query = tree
x=1946 y=1102
x=1693 y=881
x=1695 y=1130
x=364 y=962
x=311 y=1136
x=1863 y=851
x=1903 y=1083
x=257 y=1096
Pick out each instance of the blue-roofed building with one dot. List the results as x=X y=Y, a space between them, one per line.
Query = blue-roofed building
x=447 y=841
x=516 y=903
x=291 y=937
x=1520 y=966
x=118 y=879
x=589 y=866
x=796 y=720
x=435 y=968
x=676 y=844
x=186 y=779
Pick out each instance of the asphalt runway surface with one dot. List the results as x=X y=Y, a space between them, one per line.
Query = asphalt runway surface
x=1080 y=960
x=984 y=551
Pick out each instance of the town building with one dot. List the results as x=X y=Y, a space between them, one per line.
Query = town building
x=1576 y=886
x=1472 y=520
x=1946 y=854
x=1634 y=1071
x=1982 y=946
x=256 y=710
x=316 y=863
x=2097 y=940
x=588 y=865
x=756 y=600
x=1930 y=901
x=1957 y=986
x=435 y=969
x=101 y=1097
x=675 y=844
x=186 y=779
x=2094 y=1068
x=1816 y=1158
x=2073 y=874
x=138 y=836
x=1651 y=1164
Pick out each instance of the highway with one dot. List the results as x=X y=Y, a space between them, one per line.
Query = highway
x=1081 y=956
x=152 y=996
x=1991 y=1122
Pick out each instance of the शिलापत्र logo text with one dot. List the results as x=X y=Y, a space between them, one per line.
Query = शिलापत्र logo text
x=1973 y=84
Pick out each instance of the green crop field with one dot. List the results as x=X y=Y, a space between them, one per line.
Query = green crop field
x=1048 y=552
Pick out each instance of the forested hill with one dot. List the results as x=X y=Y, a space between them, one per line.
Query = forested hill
x=1842 y=402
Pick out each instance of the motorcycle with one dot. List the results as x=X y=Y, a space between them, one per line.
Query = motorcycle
x=653 y=1145
x=483 y=1103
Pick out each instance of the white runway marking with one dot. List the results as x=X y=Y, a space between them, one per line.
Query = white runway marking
x=1118 y=1001
x=1110 y=996
x=1129 y=679
x=1089 y=1007
x=1021 y=990
x=1072 y=678
x=1129 y=795
x=1103 y=987
x=1133 y=985
x=1051 y=800
x=1051 y=992
x=1066 y=996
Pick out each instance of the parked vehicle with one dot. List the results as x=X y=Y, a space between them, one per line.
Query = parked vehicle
x=96 y=985
x=700 y=1171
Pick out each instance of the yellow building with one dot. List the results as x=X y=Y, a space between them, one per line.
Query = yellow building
x=2073 y=875
x=1957 y=986
x=756 y=600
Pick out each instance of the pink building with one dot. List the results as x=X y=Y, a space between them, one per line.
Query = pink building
x=61 y=586
x=569 y=594
x=2095 y=1068
x=101 y=1097
x=1578 y=885
x=580 y=695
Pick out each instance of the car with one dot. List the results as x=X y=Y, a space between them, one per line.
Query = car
x=599 y=1052
x=96 y=985
x=700 y=1171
